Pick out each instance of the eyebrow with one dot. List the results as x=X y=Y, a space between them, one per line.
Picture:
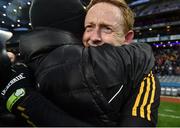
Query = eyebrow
x=103 y=24
x=106 y=25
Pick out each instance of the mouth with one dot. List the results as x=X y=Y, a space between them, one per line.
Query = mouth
x=95 y=44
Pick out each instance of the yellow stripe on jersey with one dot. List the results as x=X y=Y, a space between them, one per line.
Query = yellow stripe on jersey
x=150 y=85
x=145 y=98
x=152 y=99
x=134 y=110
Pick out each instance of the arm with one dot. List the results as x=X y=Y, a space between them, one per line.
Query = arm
x=124 y=64
x=20 y=98
x=38 y=111
x=129 y=67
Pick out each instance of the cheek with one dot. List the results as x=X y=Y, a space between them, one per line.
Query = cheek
x=85 y=39
x=108 y=38
x=85 y=36
x=119 y=39
x=113 y=39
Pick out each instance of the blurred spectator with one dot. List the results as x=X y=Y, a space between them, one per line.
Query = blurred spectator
x=177 y=70
x=167 y=61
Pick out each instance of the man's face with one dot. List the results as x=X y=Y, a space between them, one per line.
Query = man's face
x=104 y=24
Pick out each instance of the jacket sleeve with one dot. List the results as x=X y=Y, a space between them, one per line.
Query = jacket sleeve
x=119 y=65
x=36 y=110
x=131 y=66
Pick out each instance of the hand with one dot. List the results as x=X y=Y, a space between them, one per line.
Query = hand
x=14 y=87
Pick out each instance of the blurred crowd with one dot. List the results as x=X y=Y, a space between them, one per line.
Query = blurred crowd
x=167 y=61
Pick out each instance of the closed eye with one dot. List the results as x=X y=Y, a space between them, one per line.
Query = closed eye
x=88 y=28
x=107 y=29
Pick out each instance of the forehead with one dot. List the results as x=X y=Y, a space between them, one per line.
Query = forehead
x=105 y=12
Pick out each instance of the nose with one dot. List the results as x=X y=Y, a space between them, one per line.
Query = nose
x=96 y=36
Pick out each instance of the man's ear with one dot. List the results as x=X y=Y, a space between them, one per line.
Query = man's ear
x=129 y=37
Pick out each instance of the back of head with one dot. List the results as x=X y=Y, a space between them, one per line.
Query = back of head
x=63 y=14
x=41 y=41
x=123 y=6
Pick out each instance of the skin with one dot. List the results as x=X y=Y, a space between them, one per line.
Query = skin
x=11 y=56
x=104 y=24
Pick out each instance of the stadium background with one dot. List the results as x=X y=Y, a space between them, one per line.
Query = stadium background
x=157 y=23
